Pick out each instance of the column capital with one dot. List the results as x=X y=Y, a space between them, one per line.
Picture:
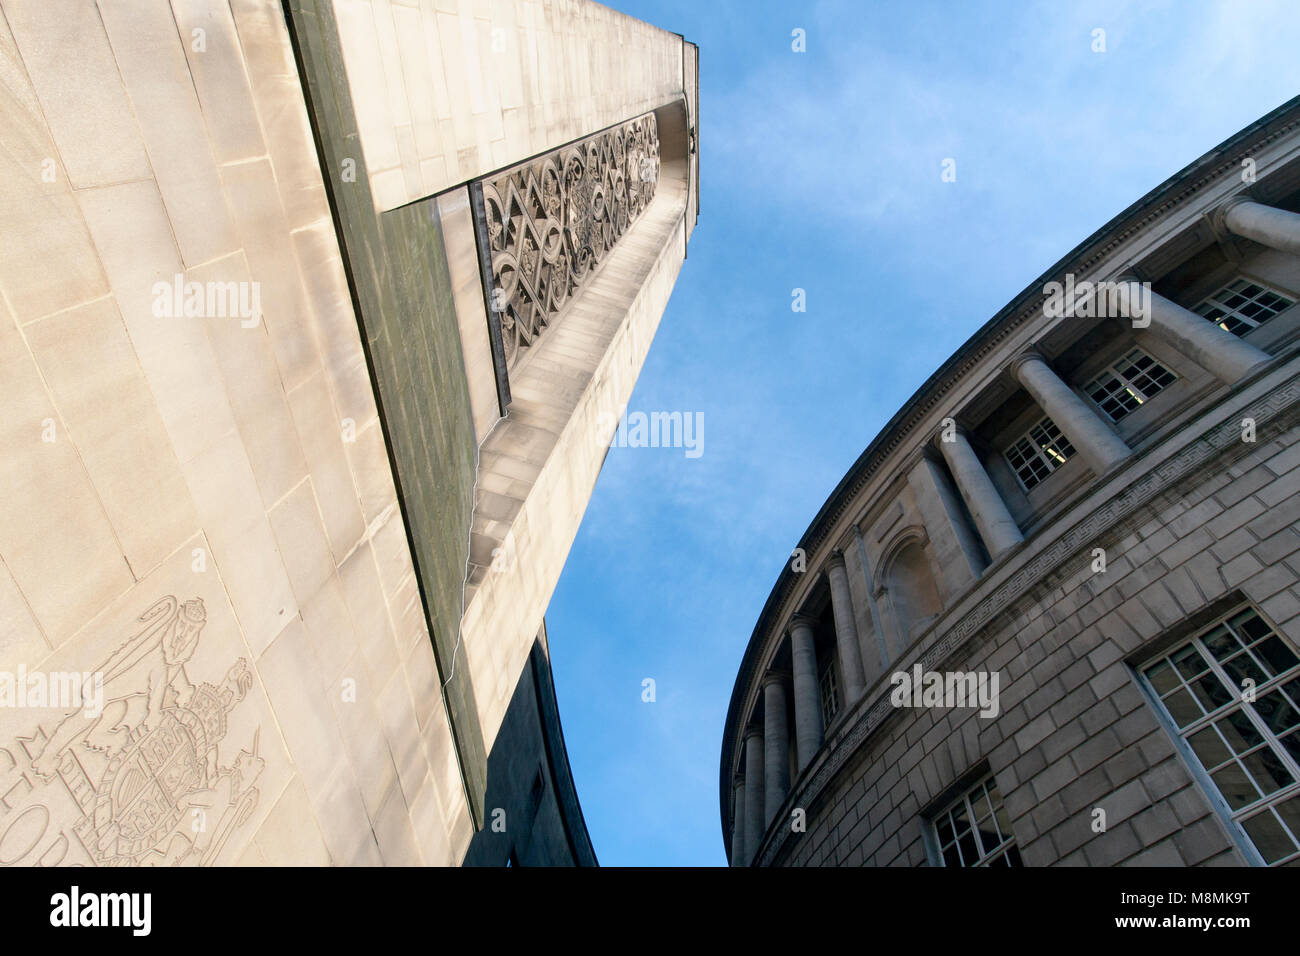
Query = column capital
x=1258 y=221
x=1130 y=273
x=774 y=677
x=936 y=441
x=753 y=730
x=802 y=619
x=1023 y=359
x=1221 y=211
x=737 y=780
x=836 y=558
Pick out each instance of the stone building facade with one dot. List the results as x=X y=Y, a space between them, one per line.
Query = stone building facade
x=1086 y=526
x=283 y=491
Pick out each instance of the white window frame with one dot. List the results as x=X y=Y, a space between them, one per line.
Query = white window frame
x=1037 y=452
x=1006 y=846
x=828 y=686
x=1240 y=324
x=1119 y=370
x=1234 y=818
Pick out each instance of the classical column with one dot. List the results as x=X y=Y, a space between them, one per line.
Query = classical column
x=997 y=528
x=846 y=630
x=738 y=820
x=1267 y=225
x=1214 y=349
x=1100 y=447
x=776 y=746
x=807 y=692
x=754 y=824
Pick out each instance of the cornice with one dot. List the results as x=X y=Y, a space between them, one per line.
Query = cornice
x=1026 y=306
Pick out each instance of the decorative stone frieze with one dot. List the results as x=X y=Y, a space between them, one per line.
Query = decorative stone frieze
x=549 y=223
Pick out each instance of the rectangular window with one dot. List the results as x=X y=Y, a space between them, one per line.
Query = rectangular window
x=830 y=695
x=975 y=830
x=1233 y=692
x=1129 y=383
x=1040 y=452
x=1242 y=305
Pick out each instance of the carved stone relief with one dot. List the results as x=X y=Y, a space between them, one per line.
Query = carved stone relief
x=549 y=224
x=168 y=760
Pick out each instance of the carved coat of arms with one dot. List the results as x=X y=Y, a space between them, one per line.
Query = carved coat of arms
x=144 y=775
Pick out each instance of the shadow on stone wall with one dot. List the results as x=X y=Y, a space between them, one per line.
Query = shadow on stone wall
x=532 y=813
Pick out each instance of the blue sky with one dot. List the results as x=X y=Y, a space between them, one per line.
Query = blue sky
x=821 y=170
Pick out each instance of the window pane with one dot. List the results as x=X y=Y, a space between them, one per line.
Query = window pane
x=1292 y=688
x=1182 y=708
x=1276 y=655
x=1221 y=642
x=1211 y=693
x=1163 y=677
x=1266 y=767
x=1239 y=732
x=989 y=839
x=1004 y=822
x=1291 y=742
x=1277 y=712
x=1243 y=666
x=1250 y=625
x=1209 y=749
x=1269 y=838
x=1289 y=811
x=1235 y=786
x=1190 y=663
x=969 y=852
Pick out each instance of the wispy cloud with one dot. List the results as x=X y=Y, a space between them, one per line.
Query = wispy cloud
x=822 y=171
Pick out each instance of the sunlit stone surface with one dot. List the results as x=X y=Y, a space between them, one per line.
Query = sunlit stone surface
x=253 y=458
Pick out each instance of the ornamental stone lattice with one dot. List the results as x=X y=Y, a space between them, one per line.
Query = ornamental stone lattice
x=549 y=224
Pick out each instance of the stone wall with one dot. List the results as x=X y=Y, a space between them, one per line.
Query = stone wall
x=533 y=814
x=241 y=459
x=399 y=272
x=195 y=499
x=1075 y=731
x=449 y=90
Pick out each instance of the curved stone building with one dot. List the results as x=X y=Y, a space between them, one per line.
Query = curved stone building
x=1051 y=614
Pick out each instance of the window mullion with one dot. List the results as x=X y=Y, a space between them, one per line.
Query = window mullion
x=1272 y=741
